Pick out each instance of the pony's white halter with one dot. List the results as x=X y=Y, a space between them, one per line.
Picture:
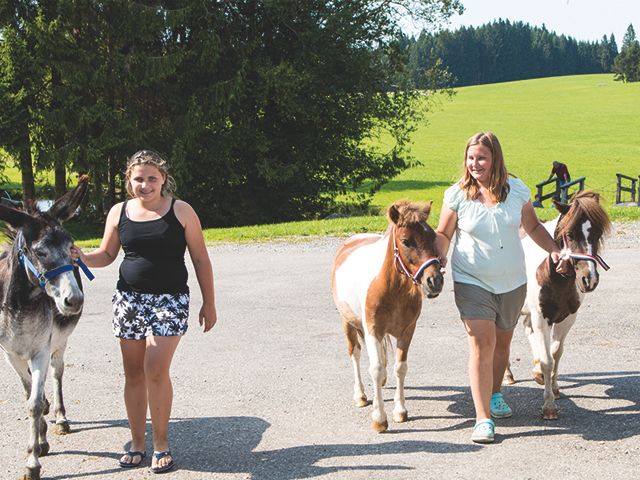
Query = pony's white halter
x=397 y=261
x=566 y=254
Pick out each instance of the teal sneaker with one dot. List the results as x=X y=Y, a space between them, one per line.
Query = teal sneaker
x=484 y=431
x=499 y=408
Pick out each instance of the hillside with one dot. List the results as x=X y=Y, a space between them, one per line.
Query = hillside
x=589 y=122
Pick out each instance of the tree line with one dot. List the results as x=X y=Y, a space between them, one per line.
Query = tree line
x=503 y=51
x=265 y=109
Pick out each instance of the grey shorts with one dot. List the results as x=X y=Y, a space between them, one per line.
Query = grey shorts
x=140 y=315
x=476 y=303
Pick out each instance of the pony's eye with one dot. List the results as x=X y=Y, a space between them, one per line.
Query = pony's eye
x=40 y=253
x=408 y=242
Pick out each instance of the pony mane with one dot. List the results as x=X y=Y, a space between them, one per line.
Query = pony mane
x=412 y=212
x=584 y=203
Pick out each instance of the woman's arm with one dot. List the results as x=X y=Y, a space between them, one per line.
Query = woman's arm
x=444 y=232
x=539 y=234
x=201 y=263
x=109 y=247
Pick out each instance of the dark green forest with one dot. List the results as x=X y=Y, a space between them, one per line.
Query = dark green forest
x=263 y=108
x=504 y=51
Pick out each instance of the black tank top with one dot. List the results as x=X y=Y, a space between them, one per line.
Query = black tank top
x=153 y=254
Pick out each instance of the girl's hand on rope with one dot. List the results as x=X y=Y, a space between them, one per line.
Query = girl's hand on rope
x=76 y=253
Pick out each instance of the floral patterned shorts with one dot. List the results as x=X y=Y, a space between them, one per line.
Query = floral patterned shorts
x=140 y=315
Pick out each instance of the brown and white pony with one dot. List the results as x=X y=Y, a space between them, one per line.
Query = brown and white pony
x=378 y=283
x=553 y=300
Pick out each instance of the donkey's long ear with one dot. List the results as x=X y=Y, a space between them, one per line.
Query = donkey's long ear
x=563 y=208
x=15 y=218
x=66 y=206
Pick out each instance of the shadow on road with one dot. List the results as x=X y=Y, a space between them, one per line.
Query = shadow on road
x=227 y=445
x=621 y=420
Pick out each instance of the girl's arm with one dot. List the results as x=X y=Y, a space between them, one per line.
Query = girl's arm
x=444 y=232
x=539 y=234
x=109 y=247
x=201 y=263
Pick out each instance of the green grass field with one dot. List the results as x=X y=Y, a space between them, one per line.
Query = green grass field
x=589 y=122
x=586 y=121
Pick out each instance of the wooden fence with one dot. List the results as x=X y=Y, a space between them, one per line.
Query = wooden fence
x=621 y=188
x=560 y=191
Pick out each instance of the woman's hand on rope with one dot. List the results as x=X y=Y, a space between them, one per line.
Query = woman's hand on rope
x=563 y=266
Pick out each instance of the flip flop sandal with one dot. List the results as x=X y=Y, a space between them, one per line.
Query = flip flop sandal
x=165 y=468
x=132 y=454
x=499 y=408
x=483 y=432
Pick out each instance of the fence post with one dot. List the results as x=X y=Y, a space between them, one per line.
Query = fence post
x=635 y=193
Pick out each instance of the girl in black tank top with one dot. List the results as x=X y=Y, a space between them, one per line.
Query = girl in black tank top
x=153 y=254
x=151 y=301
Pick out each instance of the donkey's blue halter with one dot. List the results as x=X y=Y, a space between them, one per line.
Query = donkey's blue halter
x=43 y=278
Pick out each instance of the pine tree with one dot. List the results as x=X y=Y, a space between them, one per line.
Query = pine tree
x=626 y=66
x=22 y=80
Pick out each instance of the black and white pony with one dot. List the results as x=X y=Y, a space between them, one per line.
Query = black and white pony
x=41 y=301
x=553 y=300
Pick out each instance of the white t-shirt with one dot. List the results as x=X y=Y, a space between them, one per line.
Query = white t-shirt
x=487 y=250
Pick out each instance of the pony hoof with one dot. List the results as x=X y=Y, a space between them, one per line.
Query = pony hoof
x=538 y=377
x=362 y=402
x=380 y=427
x=556 y=394
x=508 y=379
x=400 y=417
x=61 y=428
x=43 y=449
x=31 y=474
x=550 y=414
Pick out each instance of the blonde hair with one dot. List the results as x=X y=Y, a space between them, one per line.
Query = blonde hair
x=499 y=179
x=149 y=157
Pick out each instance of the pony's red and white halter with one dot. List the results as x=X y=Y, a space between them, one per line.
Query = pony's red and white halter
x=566 y=253
x=402 y=268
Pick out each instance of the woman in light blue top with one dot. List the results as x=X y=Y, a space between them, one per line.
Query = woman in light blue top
x=485 y=210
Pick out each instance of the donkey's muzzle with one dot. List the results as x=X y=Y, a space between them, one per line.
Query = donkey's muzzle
x=72 y=303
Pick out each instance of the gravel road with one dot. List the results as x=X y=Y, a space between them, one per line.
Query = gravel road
x=267 y=393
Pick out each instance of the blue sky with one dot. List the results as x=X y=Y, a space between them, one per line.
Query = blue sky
x=580 y=19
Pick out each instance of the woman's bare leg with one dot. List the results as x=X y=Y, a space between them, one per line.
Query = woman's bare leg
x=482 y=343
